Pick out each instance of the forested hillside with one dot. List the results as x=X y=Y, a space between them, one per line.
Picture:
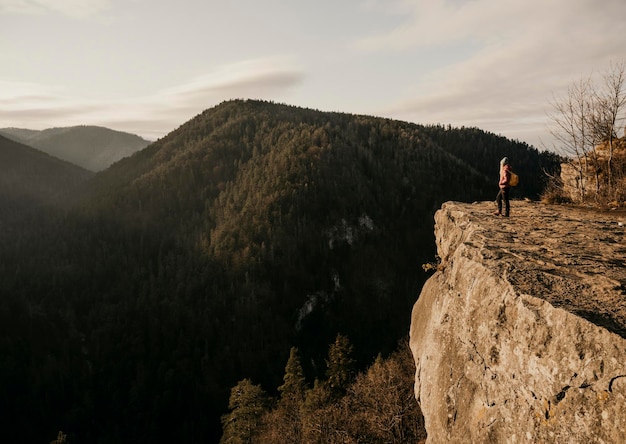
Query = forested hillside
x=202 y=259
x=31 y=180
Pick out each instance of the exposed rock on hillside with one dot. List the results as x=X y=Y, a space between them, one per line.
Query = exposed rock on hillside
x=521 y=335
x=600 y=173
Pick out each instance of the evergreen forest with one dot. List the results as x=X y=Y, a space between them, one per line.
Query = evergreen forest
x=134 y=300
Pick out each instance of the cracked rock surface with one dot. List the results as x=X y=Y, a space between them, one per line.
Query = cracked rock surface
x=521 y=334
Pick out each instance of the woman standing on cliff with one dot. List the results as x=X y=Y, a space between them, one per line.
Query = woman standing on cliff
x=503 y=194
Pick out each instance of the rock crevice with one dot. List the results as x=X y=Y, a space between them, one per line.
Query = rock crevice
x=521 y=334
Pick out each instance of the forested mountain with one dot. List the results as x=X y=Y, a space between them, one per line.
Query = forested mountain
x=205 y=257
x=91 y=147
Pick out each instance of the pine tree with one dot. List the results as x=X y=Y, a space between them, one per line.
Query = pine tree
x=247 y=404
x=340 y=371
x=284 y=424
x=294 y=380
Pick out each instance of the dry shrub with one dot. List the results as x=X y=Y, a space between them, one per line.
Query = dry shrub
x=553 y=192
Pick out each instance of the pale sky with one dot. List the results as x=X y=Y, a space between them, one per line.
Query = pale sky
x=148 y=66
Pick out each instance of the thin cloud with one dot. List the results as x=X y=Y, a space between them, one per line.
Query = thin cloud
x=522 y=53
x=71 y=8
x=260 y=76
x=152 y=116
x=439 y=23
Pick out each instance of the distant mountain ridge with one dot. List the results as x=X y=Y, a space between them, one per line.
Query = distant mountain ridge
x=94 y=148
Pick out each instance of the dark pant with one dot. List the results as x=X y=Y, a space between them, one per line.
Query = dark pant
x=503 y=195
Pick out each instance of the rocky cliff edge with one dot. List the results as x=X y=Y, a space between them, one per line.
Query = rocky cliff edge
x=520 y=337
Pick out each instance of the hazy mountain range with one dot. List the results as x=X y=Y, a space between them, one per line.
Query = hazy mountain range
x=91 y=147
x=202 y=258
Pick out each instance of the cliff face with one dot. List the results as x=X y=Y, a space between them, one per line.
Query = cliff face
x=521 y=335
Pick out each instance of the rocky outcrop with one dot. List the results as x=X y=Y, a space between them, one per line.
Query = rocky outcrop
x=520 y=337
x=599 y=173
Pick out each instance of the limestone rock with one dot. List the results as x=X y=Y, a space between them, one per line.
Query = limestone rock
x=520 y=337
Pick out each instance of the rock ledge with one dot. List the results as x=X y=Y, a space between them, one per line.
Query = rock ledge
x=521 y=335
